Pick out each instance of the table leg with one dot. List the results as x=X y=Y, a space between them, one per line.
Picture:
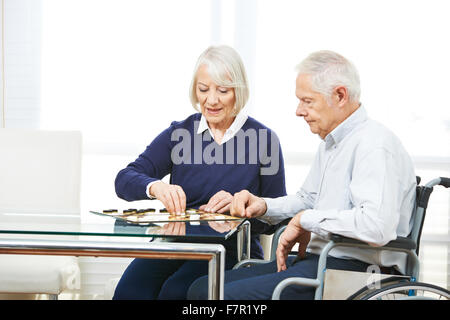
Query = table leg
x=243 y=241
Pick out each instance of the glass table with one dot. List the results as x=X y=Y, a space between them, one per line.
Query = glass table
x=52 y=234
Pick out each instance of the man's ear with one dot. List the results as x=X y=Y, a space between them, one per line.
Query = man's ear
x=340 y=96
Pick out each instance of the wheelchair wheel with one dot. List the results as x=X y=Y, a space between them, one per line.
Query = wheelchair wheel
x=364 y=291
x=408 y=291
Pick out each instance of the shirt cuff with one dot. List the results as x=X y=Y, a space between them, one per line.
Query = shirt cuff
x=273 y=214
x=147 y=190
x=311 y=220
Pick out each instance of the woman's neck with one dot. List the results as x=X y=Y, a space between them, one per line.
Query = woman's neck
x=219 y=129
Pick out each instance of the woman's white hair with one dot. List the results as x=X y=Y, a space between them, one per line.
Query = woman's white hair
x=226 y=69
x=329 y=70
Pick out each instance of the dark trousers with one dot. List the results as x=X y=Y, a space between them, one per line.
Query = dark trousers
x=258 y=282
x=150 y=279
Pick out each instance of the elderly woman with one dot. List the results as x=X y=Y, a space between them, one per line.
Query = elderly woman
x=208 y=159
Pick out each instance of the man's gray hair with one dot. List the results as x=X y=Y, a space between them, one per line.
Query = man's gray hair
x=329 y=70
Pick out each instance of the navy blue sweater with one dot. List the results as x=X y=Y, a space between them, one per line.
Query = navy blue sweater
x=251 y=161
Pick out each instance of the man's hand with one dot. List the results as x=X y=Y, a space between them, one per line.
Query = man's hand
x=171 y=195
x=220 y=202
x=247 y=205
x=294 y=233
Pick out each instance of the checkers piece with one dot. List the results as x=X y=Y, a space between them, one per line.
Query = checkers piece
x=110 y=211
x=128 y=212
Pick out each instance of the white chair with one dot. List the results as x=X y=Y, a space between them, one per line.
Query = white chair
x=40 y=177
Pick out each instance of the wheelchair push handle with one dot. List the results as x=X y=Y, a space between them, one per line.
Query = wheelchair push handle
x=445 y=182
x=442 y=181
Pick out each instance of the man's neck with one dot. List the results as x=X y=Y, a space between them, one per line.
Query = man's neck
x=343 y=114
x=348 y=110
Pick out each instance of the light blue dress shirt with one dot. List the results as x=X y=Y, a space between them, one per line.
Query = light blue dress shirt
x=361 y=185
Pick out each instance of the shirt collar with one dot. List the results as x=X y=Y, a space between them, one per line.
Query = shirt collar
x=345 y=127
x=237 y=124
x=203 y=125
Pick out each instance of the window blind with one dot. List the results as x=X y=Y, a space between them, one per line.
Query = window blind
x=21 y=45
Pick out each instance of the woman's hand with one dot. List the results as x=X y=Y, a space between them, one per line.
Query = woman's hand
x=173 y=229
x=294 y=233
x=219 y=203
x=171 y=195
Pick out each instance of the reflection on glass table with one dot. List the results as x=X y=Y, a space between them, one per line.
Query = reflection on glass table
x=214 y=230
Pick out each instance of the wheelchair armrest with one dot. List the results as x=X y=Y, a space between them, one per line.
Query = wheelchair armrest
x=249 y=263
x=341 y=239
x=399 y=243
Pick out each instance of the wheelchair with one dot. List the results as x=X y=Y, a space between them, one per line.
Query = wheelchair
x=404 y=287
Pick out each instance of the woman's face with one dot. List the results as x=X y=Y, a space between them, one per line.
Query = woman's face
x=216 y=102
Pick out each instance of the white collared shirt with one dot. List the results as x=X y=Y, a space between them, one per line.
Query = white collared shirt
x=361 y=185
x=230 y=132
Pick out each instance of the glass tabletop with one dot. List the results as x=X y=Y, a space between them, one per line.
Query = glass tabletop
x=103 y=225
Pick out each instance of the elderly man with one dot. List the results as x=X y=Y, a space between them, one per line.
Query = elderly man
x=361 y=185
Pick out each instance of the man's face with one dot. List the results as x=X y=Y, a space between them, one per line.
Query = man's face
x=314 y=108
